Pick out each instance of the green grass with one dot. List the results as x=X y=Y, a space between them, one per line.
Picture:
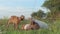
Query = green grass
x=54 y=28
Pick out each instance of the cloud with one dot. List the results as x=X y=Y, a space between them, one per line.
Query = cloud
x=14 y=9
x=8 y=11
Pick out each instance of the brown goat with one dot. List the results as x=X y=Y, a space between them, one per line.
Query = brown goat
x=15 y=20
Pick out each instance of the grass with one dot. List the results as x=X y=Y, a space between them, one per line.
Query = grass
x=54 y=28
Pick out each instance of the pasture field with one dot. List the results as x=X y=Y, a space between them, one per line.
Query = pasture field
x=54 y=28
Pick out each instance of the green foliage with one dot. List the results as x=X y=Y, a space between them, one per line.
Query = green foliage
x=52 y=3
x=54 y=6
x=39 y=14
x=34 y=14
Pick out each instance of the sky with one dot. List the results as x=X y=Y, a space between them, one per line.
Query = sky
x=20 y=7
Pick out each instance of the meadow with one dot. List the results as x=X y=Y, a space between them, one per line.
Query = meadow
x=54 y=28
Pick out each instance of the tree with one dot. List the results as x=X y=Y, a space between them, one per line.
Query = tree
x=39 y=14
x=54 y=6
x=34 y=14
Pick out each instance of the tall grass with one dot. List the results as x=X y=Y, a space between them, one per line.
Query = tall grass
x=54 y=28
